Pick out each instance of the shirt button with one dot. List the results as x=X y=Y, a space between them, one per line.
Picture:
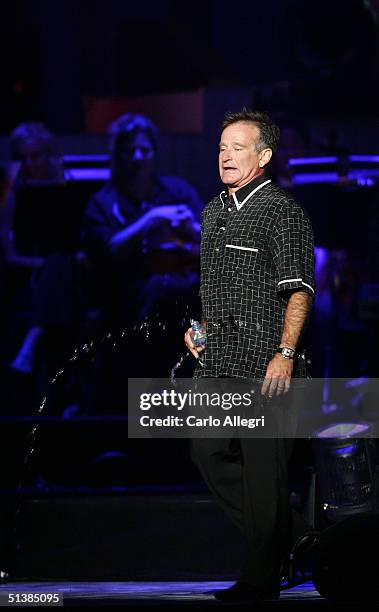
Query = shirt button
x=222 y=229
x=217 y=249
x=229 y=209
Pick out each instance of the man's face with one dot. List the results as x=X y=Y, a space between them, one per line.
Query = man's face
x=239 y=161
x=34 y=159
x=136 y=155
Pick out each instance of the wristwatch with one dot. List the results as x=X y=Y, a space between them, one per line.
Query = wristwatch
x=286 y=352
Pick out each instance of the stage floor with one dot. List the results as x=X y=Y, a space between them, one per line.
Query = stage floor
x=191 y=595
x=154 y=593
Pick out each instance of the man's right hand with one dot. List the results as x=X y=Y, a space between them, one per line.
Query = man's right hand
x=188 y=340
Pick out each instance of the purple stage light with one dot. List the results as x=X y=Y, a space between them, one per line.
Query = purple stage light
x=345 y=450
x=85 y=158
x=87 y=174
x=305 y=161
x=317 y=177
x=342 y=430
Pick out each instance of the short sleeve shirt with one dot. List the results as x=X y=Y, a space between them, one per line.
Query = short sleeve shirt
x=257 y=246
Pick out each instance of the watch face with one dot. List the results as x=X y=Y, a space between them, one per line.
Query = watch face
x=287 y=352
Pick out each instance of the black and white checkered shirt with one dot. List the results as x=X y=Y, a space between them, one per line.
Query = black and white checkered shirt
x=257 y=245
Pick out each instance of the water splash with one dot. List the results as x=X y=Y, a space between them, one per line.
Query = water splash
x=176 y=367
x=32 y=436
x=77 y=355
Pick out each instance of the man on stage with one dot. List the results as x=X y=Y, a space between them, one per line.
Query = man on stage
x=256 y=289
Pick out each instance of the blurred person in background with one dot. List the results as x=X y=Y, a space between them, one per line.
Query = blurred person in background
x=30 y=145
x=142 y=232
x=42 y=274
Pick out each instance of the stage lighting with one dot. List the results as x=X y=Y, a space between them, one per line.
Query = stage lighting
x=343 y=566
x=345 y=468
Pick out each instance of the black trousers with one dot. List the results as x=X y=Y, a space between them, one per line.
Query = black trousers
x=249 y=479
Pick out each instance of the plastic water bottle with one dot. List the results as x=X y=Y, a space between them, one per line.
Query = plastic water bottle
x=199 y=334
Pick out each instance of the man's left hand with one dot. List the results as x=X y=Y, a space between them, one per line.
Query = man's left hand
x=278 y=376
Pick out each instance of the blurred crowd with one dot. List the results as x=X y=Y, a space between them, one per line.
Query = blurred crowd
x=134 y=270
x=130 y=273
